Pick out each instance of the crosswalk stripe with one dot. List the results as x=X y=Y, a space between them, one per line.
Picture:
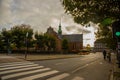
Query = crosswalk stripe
x=78 y=78
x=16 y=70
x=23 y=73
x=13 y=63
x=59 y=77
x=39 y=75
x=16 y=64
x=18 y=67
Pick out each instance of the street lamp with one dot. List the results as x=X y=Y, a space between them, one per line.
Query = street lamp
x=26 y=44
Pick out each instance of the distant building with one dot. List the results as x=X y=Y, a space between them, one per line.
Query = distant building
x=75 y=41
x=99 y=46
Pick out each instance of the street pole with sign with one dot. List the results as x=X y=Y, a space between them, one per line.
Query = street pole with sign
x=26 y=43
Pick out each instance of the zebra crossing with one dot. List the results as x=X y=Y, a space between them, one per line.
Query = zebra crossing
x=30 y=71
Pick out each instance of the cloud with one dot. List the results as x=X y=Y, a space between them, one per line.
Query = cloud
x=38 y=13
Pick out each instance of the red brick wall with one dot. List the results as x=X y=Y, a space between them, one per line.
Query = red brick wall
x=75 y=46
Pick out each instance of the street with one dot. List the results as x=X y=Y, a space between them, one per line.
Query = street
x=85 y=67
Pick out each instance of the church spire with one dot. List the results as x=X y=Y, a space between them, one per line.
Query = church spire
x=60 y=30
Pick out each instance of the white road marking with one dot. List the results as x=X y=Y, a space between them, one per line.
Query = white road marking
x=101 y=62
x=78 y=78
x=79 y=68
x=93 y=57
x=14 y=63
x=39 y=75
x=59 y=77
x=60 y=63
x=23 y=73
x=83 y=66
x=8 y=65
x=22 y=69
x=18 y=67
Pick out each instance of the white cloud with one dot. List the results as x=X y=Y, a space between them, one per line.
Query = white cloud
x=40 y=14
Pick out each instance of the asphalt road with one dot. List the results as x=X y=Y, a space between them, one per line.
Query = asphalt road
x=86 y=67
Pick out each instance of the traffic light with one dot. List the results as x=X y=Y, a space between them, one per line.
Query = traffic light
x=117 y=34
x=116 y=29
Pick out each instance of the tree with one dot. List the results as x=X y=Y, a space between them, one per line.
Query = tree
x=21 y=34
x=65 y=45
x=50 y=42
x=6 y=37
x=105 y=12
x=84 y=11
x=1 y=42
x=39 y=40
x=104 y=34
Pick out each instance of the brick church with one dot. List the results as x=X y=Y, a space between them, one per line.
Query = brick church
x=75 y=41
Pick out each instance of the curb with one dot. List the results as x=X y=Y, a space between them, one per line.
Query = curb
x=115 y=74
x=48 y=58
x=19 y=58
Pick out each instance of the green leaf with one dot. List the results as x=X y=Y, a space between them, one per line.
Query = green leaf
x=107 y=22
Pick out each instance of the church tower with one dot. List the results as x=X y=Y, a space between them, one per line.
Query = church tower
x=60 y=30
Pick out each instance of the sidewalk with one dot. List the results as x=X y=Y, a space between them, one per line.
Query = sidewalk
x=21 y=57
x=115 y=74
x=7 y=59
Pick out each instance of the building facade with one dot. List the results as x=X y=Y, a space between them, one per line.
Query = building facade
x=99 y=46
x=75 y=41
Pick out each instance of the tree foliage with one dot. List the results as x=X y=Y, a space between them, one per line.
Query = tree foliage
x=16 y=36
x=39 y=40
x=104 y=34
x=64 y=44
x=21 y=34
x=1 y=42
x=96 y=11
x=50 y=42
x=45 y=41
x=6 y=38
x=105 y=12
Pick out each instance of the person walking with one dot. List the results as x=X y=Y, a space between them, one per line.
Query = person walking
x=104 y=54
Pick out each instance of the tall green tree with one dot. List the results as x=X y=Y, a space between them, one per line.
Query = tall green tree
x=6 y=38
x=104 y=34
x=1 y=42
x=39 y=40
x=96 y=11
x=65 y=45
x=50 y=42
x=104 y=12
x=22 y=34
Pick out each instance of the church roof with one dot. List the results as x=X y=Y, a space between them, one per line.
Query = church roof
x=73 y=37
x=69 y=37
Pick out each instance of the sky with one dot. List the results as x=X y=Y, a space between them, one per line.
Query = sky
x=41 y=14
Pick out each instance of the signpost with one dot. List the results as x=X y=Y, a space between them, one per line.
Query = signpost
x=26 y=43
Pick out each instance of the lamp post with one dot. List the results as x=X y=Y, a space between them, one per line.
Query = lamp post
x=26 y=44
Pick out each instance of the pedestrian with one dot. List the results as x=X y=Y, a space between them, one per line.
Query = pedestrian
x=104 y=54
x=109 y=56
